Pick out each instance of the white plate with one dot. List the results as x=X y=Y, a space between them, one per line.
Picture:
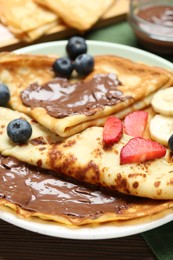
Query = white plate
x=107 y=230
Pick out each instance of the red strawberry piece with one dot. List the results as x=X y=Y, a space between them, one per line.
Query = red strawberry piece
x=112 y=130
x=135 y=123
x=139 y=149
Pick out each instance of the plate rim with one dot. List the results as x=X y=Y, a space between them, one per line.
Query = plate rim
x=86 y=233
x=100 y=44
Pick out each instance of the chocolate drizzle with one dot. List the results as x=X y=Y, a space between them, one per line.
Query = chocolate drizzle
x=62 y=98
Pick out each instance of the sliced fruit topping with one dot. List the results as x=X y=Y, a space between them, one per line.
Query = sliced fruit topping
x=19 y=130
x=76 y=45
x=139 y=150
x=4 y=94
x=63 y=67
x=112 y=130
x=161 y=128
x=162 y=101
x=135 y=123
x=84 y=64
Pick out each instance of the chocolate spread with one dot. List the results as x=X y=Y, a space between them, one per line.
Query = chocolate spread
x=156 y=33
x=62 y=98
x=36 y=190
x=160 y=15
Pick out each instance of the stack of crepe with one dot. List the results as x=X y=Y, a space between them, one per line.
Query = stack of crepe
x=72 y=146
x=30 y=19
x=25 y=19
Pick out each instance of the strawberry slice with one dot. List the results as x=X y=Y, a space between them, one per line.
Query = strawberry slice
x=139 y=149
x=135 y=123
x=112 y=130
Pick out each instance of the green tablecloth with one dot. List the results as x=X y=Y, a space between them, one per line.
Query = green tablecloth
x=160 y=239
x=118 y=33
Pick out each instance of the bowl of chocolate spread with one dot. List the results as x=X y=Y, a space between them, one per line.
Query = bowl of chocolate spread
x=152 y=22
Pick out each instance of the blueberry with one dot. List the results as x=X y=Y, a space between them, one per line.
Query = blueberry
x=84 y=64
x=19 y=130
x=4 y=95
x=76 y=45
x=63 y=67
x=170 y=142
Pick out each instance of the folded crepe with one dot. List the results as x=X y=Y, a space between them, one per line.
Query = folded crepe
x=81 y=15
x=34 y=192
x=84 y=157
x=25 y=19
x=116 y=86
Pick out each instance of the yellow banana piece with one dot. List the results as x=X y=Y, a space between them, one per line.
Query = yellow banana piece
x=161 y=128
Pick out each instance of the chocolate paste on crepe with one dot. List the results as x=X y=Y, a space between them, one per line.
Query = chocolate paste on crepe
x=32 y=191
x=138 y=81
x=61 y=98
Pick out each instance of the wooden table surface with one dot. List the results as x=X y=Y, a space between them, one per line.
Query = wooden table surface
x=17 y=243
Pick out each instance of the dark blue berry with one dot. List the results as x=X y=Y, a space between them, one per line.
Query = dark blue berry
x=170 y=142
x=84 y=64
x=76 y=45
x=63 y=67
x=4 y=95
x=19 y=130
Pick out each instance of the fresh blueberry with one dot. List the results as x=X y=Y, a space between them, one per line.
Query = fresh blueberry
x=170 y=142
x=19 y=130
x=76 y=45
x=63 y=67
x=84 y=64
x=4 y=95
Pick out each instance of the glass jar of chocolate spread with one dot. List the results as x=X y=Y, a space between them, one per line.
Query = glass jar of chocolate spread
x=152 y=22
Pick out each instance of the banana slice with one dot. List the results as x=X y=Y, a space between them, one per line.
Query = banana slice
x=162 y=101
x=161 y=128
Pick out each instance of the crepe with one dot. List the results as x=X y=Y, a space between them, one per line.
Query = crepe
x=33 y=192
x=25 y=19
x=136 y=82
x=18 y=71
x=83 y=157
x=81 y=15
